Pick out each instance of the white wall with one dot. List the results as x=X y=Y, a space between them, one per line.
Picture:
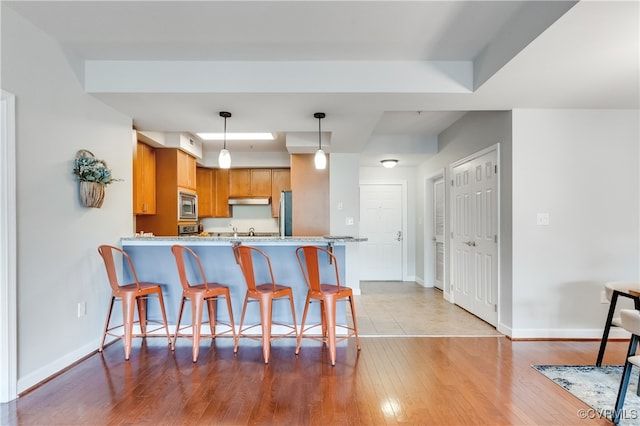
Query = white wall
x=344 y=202
x=58 y=263
x=581 y=167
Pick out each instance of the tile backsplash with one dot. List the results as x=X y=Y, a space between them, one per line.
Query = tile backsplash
x=244 y=217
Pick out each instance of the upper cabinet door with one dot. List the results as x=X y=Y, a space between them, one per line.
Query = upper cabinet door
x=186 y=170
x=144 y=179
x=204 y=179
x=239 y=182
x=260 y=183
x=250 y=183
x=280 y=181
x=221 y=199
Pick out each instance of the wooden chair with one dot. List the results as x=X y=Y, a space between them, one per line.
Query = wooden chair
x=265 y=294
x=614 y=290
x=630 y=321
x=328 y=295
x=199 y=294
x=130 y=295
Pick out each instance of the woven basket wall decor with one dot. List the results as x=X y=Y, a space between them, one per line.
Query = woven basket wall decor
x=91 y=194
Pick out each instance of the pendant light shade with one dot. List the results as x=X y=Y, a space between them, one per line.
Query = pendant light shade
x=320 y=159
x=224 y=159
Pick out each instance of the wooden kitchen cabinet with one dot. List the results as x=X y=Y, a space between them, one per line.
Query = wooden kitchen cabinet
x=186 y=170
x=175 y=171
x=250 y=183
x=280 y=181
x=221 y=193
x=205 y=191
x=213 y=192
x=144 y=179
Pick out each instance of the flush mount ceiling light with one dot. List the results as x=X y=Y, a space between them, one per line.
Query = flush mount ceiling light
x=236 y=136
x=389 y=163
x=320 y=160
x=224 y=159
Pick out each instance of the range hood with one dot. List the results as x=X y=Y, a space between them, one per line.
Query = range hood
x=249 y=201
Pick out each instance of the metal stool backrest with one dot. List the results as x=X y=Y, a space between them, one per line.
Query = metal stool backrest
x=107 y=253
x=181 y=260
x=244 y=256
x=308 y=259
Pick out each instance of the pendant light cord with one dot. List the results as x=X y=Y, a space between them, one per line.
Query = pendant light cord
x=319 y=134
x=224 y=143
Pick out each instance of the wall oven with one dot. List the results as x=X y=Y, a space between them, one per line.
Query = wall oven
x=187 y=206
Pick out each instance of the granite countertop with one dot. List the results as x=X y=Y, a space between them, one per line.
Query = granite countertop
x=200 y=240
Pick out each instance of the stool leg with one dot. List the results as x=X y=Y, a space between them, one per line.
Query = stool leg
x=293 y=313
x=330 y=312
x=128 y=302
x=227 y=296
x=265 y=318
x=355 y=323
x=196 y=320
x=211 y=309
x=175 y=338
x=304 y=319
x=607 y=327
x=106 y=325
x=164 y=316
x=244 y=310
x=142 y=314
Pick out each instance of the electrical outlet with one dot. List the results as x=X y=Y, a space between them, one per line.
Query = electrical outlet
x=349 y=221
x=82 y=309
x=542 y=219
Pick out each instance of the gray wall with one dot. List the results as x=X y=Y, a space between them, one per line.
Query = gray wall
x=581 y=167
x=57 y=238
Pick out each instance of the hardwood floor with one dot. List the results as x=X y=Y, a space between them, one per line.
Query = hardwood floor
x=392 y=380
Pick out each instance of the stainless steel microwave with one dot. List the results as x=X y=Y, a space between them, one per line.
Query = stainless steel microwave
x=187 y=206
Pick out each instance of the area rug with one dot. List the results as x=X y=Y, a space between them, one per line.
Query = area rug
x=598 y=388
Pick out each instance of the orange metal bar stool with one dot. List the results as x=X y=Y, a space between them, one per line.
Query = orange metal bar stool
x=199 y=294
x=130 y=295
x=265 y=294
x=328 y=295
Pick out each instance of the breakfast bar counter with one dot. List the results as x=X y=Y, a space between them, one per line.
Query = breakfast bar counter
x=154 y=262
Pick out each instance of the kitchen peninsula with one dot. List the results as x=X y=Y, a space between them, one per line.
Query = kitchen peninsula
x=154 y=262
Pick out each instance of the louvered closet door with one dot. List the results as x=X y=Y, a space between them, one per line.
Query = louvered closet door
x=438 y=232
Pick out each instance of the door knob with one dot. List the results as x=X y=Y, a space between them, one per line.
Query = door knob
x=470 y=243
x=399 y=236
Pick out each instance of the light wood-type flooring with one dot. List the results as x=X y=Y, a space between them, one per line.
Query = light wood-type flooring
x=398 y=377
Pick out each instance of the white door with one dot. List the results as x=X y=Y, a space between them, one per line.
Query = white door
x=474 y=242
x=381 y=223
x=438 y=232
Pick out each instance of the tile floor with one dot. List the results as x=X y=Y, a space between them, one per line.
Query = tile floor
x=394 y=308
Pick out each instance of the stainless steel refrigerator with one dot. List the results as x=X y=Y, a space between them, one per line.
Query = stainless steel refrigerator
x=285 y=214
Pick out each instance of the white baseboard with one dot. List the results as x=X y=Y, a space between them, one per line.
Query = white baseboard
x=56 y=366
x=533 y=333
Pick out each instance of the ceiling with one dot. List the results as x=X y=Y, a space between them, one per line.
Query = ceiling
x=390 y=75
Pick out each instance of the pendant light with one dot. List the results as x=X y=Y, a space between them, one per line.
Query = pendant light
x=224 y=159
x=320 y=159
